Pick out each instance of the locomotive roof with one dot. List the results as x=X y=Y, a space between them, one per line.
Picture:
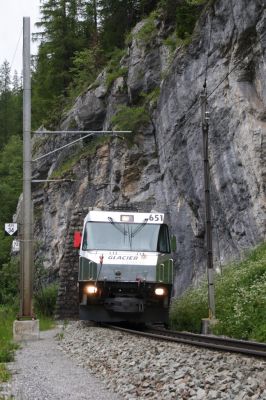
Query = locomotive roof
x=125 y=217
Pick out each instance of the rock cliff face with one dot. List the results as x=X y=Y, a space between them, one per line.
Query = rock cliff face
x=162 y=167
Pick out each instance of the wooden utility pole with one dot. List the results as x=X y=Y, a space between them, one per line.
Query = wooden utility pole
x=208 y=223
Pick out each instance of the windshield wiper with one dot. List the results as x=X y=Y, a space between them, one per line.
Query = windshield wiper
x=130 y=233
x=121 y=230
x=138 y=228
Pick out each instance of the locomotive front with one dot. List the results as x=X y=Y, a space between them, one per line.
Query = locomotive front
x=125 y=267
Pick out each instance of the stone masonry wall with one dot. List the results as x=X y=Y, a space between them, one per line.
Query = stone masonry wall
x=68 y=296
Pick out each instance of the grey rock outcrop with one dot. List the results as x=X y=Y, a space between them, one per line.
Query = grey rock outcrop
x=162 y=168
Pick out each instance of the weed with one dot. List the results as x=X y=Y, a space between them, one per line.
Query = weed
x=60 y=336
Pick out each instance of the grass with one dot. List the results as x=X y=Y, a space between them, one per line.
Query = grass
x=240 y=295
x=7 y=346
x=4 y=374
x=46 y=322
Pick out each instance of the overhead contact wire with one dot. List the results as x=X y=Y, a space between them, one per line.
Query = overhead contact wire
x=189 y=111
x=16 y=49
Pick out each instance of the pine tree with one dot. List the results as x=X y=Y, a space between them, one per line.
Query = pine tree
x=119 y=17
x=10 y=188
x=67 y=28
x=6 y=112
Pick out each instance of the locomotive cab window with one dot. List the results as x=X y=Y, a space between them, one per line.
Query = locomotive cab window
x=163 y=245
x=126 y=236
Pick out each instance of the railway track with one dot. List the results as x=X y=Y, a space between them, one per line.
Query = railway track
x=254 y=349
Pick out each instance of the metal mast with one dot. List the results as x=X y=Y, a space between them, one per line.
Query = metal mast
x=27 y=214
x=208 y=222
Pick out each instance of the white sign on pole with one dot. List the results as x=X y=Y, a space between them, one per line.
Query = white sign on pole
x=15 y=246
x=11 y=229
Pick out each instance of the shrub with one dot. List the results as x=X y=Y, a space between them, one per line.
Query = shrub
x=130 y=118
x=240 y=294
x=241 y=298
x=187 y=311
x=45 y=300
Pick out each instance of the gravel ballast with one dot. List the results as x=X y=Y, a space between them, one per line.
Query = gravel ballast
x=141 y=368
x=61 y=364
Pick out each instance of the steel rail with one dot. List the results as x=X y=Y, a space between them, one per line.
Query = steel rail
x=249 y=348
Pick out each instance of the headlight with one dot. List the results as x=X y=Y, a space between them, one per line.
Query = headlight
x=91 y=289
x=160 y=291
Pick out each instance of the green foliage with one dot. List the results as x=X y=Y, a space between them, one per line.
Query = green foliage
x=9 y=282
x=187 y=311
x=148 y=31
x=74 y=38
x=89 y=148
x=87 y=63
x=65 y=169
x=4 y=374
x=46 y=323
x=171 y=42
x=112 y=76
x=7 y=347
x=67 y=27
x=240 y=301
x=113 y=68
x=45 y=300
x=130 y=118
x=196 y=2
x=119 y=17
x=241 y=294
x=10 y=105
x=11 y=176
x=184 y=15
x=10 y=189
x=151 y=98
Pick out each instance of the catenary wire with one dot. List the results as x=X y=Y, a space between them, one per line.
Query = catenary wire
x=189 y=113
x=16 y=49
